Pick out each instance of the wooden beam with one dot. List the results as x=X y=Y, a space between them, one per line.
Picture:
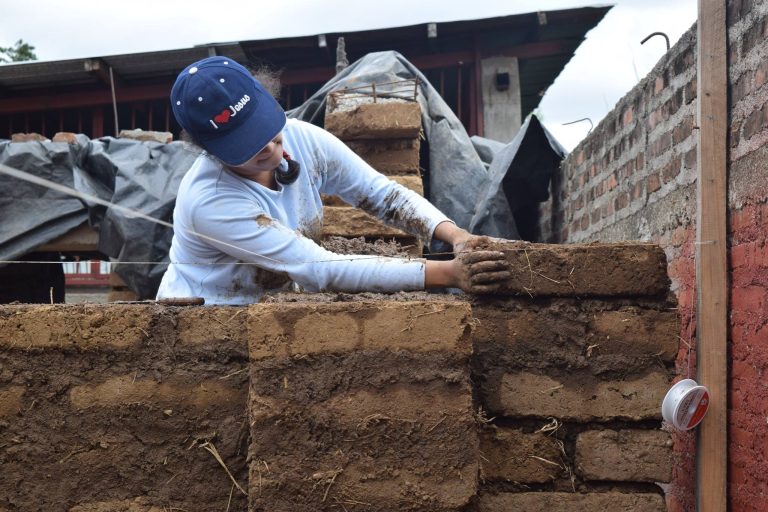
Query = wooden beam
x=83 y=98
x=100 y=70
x=711 y=254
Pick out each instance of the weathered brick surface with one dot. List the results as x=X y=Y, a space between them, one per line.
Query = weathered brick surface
x=410 y=182
x=361 y=403
x=391 y=157
x=127 y=389
x=577 y=398
x=624 y=455
x=351 y=222
x=512 y=455
x=599 y=335
x=618 y=269
x=199 y=326
x=74 y=327
x=281 y=330
x=103 y=402
x=395 y=120
x=569 y=502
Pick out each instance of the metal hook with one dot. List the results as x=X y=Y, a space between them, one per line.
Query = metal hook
x=662 y=34
x=580 y=120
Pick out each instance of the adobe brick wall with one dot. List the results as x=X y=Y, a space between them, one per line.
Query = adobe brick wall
x=634 y=178
x=431 y=403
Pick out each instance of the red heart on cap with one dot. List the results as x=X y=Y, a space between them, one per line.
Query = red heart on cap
x=223 y=117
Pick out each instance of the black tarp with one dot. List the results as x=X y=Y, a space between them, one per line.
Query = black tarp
x=481 y=189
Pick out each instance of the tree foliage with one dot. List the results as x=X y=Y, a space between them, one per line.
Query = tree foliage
x=19 y=52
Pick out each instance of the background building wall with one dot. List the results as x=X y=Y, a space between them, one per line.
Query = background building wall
x=500 y=84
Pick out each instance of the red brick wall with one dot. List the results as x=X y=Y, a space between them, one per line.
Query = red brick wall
x=634 y=178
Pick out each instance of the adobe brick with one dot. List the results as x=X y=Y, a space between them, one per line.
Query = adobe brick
x=127 y=389
x=583 y=398
x=416 y=417
x=28 y=137
x=572 y=333
x=658 y=84
x=197 y=326
x=391 y=120
x=77 y=327
x=282 y=330
x=584 y=222
x=511 y=455
x=122 y=295
x=391 y=157
x=624 y=455
x=413 y=183
x=568 y=502
x=68 y=137
x=146 y=136
x=351 y=222
x=691 y=159
x=10 y=400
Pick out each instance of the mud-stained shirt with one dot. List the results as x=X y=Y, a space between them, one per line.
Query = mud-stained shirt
x=234 y=239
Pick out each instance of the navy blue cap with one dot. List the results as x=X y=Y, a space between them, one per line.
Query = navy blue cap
x=225 y=109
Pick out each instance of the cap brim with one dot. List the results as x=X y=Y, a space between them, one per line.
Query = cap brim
x=236 y=147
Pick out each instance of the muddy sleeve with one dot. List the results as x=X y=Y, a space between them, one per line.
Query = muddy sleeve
x=351 y=178
x=239 y=228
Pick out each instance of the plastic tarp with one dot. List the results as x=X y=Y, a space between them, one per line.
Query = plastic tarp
x=143 y=176
x=478 y=183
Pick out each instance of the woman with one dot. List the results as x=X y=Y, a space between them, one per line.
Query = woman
x=248 y=211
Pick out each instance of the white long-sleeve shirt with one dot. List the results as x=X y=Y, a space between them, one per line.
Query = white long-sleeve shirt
x=234 y=239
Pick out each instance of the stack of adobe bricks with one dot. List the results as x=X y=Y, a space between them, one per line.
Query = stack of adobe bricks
x=570 y=370
x=385 y=132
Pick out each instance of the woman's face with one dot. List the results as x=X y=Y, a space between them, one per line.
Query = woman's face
x=265 y=160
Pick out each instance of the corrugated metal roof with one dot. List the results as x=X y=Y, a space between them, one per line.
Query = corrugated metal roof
x=567 y=26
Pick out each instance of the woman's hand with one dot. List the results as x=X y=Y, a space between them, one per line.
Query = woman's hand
x=476 y=271
x=461 y=239
x=480 y=271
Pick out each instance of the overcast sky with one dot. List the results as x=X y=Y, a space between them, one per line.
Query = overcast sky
x=605 y=67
